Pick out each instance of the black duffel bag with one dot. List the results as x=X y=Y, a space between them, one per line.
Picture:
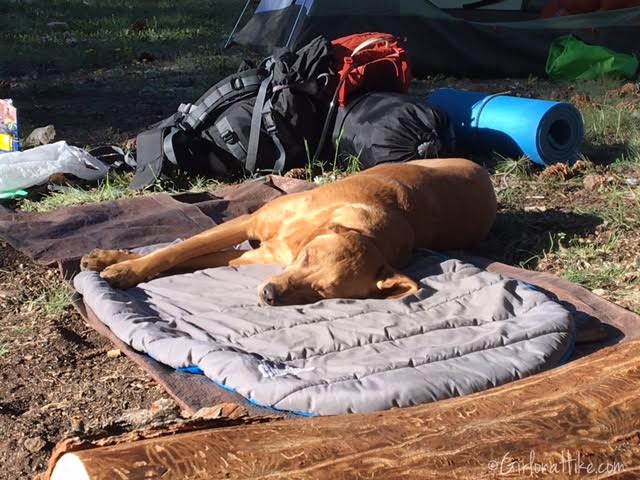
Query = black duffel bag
x=390 y=127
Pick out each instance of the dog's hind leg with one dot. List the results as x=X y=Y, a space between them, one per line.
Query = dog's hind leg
x=131 y=272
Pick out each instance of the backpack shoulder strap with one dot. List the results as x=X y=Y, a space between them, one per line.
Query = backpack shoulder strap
x=272 y=129
x=230 y=137
x=256 y=118
x=231 y=89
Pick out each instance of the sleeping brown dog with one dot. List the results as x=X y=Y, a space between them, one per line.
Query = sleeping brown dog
x=348 y=239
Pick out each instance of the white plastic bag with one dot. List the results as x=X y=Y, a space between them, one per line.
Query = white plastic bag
x=34 y=167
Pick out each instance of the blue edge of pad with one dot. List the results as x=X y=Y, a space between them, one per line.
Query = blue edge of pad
x=196 y=370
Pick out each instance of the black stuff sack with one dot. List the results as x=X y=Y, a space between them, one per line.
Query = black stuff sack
x=390 y=127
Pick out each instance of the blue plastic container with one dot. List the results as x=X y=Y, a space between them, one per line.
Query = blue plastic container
x=546 y=132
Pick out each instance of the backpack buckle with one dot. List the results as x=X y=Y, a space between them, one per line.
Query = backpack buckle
x=237 y=83
x=184 y=110
x=269 y=124
x=229 y=136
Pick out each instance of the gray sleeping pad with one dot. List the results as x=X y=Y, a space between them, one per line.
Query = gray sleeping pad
x=466 y=330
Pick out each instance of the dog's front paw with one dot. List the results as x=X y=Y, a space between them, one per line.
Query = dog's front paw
x=123 y=275
x=97 y=260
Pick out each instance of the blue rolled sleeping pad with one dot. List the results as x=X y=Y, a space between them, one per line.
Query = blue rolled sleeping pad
x=547 y=132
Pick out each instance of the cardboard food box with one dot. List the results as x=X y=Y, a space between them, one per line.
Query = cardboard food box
x=9 y=139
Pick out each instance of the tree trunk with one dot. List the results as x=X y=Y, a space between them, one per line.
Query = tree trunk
x=581 y=420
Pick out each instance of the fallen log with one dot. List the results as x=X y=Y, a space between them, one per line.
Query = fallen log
x=581 y=420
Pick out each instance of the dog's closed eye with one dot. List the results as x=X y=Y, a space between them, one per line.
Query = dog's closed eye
x=307 y=258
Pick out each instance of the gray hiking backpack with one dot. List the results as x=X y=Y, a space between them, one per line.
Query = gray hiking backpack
x=257 y=120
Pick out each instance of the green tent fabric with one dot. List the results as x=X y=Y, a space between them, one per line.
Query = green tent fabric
x=572 y=59
x=477 y=42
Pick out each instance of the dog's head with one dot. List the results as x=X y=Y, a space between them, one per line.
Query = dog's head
x=336 y=263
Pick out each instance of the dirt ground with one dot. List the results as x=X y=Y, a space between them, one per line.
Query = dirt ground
x=581 y=223
x=55 y=373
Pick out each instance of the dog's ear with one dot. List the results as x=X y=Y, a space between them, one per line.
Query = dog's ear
x=395 y=284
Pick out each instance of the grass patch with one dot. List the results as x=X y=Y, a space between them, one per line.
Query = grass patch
x=620 y=209
x=54 y=301
x=606 y=275
x=322 y=171
x=68 y=35
x=353 y=165
x=607 y=124
x=592 y=263
x=610 y=116
x=4 y=350
x=521 y=168
x=508 y=174
x=114 y=187
x=180 y=183
x=629 y=160
x=22 y=329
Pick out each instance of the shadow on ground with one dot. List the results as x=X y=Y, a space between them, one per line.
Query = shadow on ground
x=88 y=110
x=605 y=154
x=523 y=238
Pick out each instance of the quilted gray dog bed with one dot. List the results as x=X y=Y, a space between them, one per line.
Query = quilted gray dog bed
x=465 y=331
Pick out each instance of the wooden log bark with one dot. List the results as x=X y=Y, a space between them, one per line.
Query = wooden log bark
x=581 y=420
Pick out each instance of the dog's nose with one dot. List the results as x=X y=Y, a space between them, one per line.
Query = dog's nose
x=268 y=294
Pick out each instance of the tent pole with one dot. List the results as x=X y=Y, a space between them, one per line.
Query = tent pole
x=295 y=24
x=235 y=27
x=480 y=3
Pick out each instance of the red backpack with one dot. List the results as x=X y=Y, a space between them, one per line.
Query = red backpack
x=370 y=62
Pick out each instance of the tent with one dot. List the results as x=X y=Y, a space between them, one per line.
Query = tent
x=493 y=38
